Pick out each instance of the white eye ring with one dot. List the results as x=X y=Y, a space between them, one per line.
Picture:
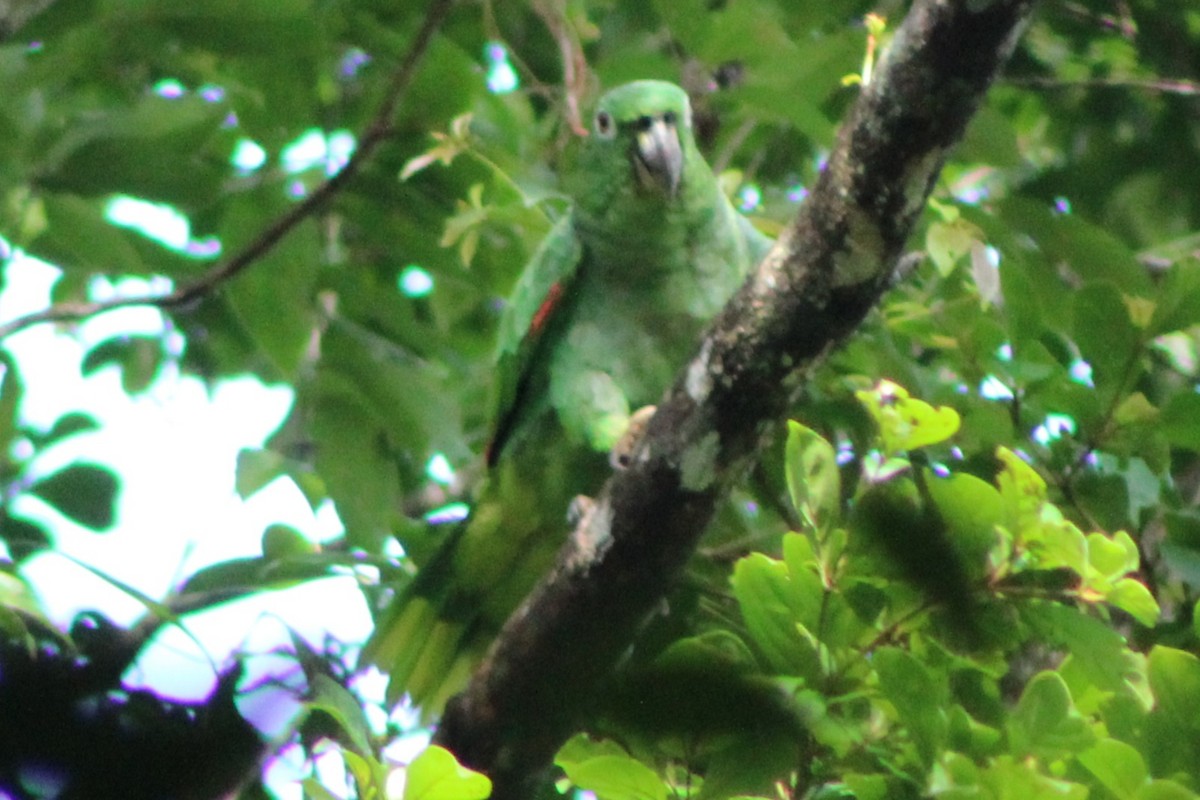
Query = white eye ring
x=605 y=127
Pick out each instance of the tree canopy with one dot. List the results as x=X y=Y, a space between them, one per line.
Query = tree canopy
x=945 y=539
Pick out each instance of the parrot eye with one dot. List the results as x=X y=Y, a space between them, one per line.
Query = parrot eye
x=604 y=125
x=669 y=118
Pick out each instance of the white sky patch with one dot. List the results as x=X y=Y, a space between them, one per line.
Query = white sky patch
x=162 y=223
x=315 y=148
x=175 y=449
x=415 y=282
x=306 y=152
x=992 y=388
x=501 y=77
x=248 y=155
x=1054 y=427
x=340 y=148
x=158 y=221
x=439 y=470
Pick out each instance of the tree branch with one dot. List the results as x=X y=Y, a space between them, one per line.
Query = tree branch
x=828 y=269
x=377 y=130
x=1178 y=86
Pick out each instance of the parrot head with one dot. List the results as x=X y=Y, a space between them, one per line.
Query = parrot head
x=650 y=123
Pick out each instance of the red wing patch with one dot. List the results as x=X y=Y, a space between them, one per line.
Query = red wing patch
x=546 y=309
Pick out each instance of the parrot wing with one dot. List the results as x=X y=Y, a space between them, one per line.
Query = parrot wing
x=537 y=301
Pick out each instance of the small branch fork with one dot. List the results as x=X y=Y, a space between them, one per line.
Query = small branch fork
x=376 y=132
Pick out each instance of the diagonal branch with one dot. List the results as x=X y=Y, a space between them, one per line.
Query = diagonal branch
x=376 y=132
x=1176 y=86
x=828 y=269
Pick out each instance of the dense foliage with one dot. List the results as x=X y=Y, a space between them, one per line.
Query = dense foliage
x=970 y=569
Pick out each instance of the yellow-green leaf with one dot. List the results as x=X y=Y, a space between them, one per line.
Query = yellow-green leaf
x=1132 y=596
x=436 y=775
x=617 y=777
x=906 y=423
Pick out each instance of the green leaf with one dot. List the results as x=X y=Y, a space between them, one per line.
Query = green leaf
x=764 y=595
x=1070 y=241
x=403 y=392
x=256 y=468
x=23 y=537
x=811 y=471
x=1045 y=722
x=1021 y=489
x=78 y=236
x=1024 y=304
x=1105 y=334
x=603 y=767
x=1135 y=409
x=1101 y=651
x=1178 y=420
x=369 y=773
x=970 y=736
x=84 y=493
x=617 y=777
x=1181 y=548
x=12 y=391
x=947 y=242
x=1105 y=497
x=283 y=541
x=1009 y=779
x=1178 y=303
x=66 y=426
x=141 y=151
x=867 y=787
x=363 y=480
x=899 y=534
x=1166 y=790
x=1113 y=556
x=953 y=776
x=1171 y=732
x=1117 y=766
x=235 y=27
x=828 y=614
x=906 y=423
x=971 y=509
x=581 y=747
x=274 y=302
x=1175 y=681
x=334 y=699
x=1054 y=542
x=315 y=790
x=991 y=138
x=753 y=764
x=139 y=359
x=436 y=775
x=1131 y=596
x=918 y=696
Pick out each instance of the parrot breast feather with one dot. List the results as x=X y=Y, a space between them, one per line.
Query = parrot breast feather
x=536 y=302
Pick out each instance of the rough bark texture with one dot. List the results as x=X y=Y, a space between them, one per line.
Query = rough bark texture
x=826 y=272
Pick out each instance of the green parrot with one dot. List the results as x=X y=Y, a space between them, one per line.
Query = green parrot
x=608 y=310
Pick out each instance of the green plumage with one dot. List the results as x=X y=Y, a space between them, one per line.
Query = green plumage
x=606 y=313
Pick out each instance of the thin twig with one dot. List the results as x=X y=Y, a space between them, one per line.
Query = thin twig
x=1180 y=86
x=378 y=130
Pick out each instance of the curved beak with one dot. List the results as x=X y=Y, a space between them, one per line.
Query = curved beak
x=658 y=159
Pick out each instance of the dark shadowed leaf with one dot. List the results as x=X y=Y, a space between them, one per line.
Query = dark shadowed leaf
x=23 y=537
x=85 y=493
